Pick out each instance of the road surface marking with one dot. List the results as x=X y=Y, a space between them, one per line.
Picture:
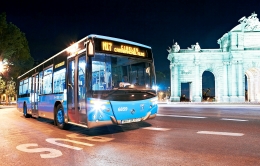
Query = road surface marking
x=53 y=141
x=239 y=120
x=156 y=128
x=53 y=153
x=182 y=116
x=220 y=133
x=95 y=138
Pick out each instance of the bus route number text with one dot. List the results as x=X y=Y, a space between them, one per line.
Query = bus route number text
x=125 y=49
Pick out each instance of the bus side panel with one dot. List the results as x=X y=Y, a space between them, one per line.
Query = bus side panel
x=46 y=105
x=20 y=102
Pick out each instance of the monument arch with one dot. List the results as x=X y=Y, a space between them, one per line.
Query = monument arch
x=208 y=86
x=238 y=55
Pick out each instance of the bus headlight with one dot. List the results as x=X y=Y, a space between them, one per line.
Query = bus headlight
x=99 y=110
x=99 y=105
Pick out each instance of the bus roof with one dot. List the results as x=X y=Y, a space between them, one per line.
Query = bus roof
x=118 y=40
x=90 y=36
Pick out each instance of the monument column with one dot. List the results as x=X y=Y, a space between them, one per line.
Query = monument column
x=256 y=87
x=174 y=82
x=241 y=89
x=191 y=91
x=225 y=82
x=229 y=80
x=233 y=82
x=197 y=97
x=251 y=88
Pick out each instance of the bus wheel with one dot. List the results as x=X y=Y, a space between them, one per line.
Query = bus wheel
x=60 y=117
x=25 y=114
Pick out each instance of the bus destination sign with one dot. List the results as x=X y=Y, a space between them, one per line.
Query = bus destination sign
x=122 y=48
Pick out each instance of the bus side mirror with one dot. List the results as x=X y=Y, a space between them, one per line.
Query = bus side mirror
x=90 y=48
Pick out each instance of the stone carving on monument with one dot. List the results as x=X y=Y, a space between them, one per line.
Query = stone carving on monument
x=195 y=47
x=175 y=48
x=249 y=39
x=251 y=23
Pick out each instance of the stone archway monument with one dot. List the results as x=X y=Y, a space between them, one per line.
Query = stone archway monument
x=238 y=55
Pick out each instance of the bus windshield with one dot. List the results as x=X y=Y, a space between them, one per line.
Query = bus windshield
x=111 y=72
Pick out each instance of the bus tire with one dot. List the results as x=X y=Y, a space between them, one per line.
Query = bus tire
x=59 y=117
x=25 y=114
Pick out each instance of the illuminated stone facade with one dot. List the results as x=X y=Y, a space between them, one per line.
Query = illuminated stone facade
x=238 y=55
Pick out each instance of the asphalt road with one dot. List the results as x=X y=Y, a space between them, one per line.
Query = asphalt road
x=179 y=135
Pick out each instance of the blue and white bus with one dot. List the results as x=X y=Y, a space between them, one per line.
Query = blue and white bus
x=97 y=81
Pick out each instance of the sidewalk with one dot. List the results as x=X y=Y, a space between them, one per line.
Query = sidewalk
x=208 y=103
x=8 y=105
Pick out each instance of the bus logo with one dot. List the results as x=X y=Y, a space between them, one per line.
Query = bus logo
x=121 y=109
x=142 y=106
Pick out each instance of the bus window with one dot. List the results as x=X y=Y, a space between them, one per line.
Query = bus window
x=81 y=78
x=138 y=74
x=30 y=85
x=59 y=81
x=130 y=72
x=109 y=72
x=47 y=81
x=40 y=82
x=101 y=72
x=71 y=83
x=25 y=86
x=82 y=85
x=21 y=88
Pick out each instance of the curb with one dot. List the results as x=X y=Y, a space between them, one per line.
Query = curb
x=207 y=103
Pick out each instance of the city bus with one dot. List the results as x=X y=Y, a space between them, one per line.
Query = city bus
x=96 y=81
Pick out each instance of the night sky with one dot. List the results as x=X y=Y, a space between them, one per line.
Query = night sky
x=52 y=26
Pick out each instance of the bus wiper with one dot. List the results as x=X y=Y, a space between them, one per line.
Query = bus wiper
x=151 y=93
x=109 y=94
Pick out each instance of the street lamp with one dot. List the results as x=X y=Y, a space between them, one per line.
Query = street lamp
x=3 y=66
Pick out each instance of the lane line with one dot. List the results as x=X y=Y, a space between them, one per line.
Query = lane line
x=182 y=116
x=239 y=120
x=157 y=128
x=221 y=133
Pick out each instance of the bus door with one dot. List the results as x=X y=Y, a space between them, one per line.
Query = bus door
x=34 y=96
x=76 y=89
x=71 y=92
x=81 y=69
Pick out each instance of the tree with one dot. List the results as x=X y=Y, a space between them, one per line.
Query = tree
x=2 y=85
x=14 y=49
x=160 y=78
x=14 y=52
x=10 y=90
